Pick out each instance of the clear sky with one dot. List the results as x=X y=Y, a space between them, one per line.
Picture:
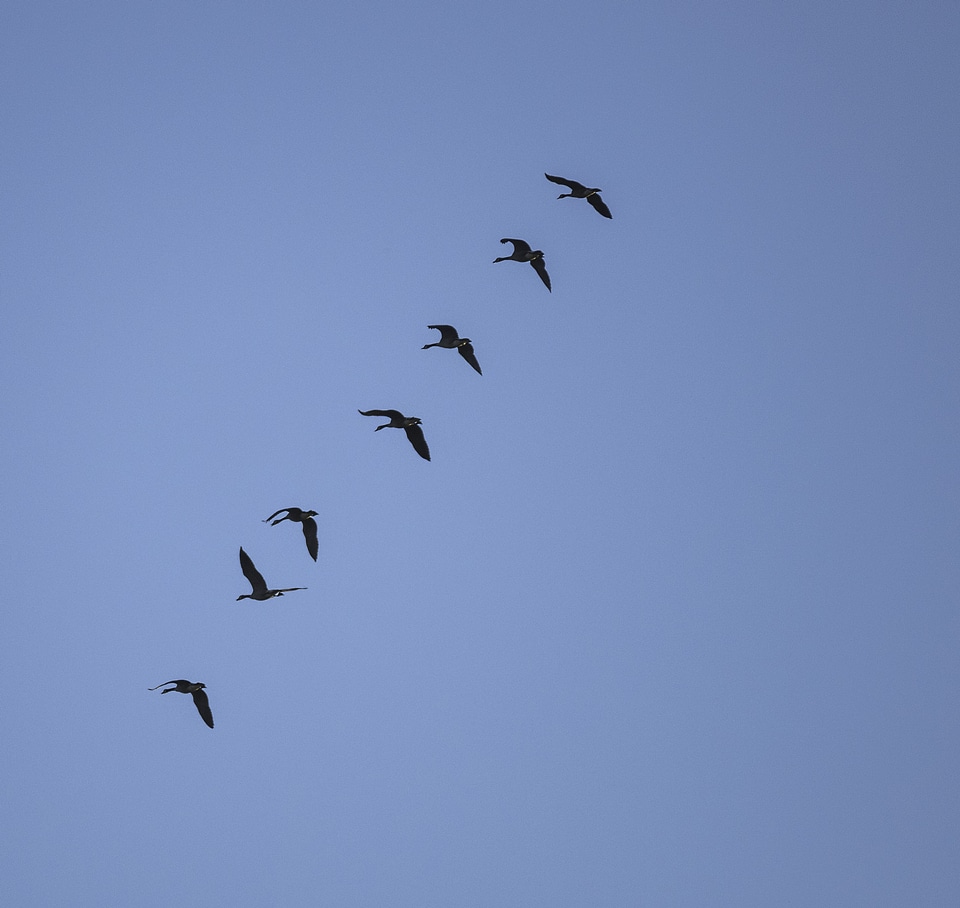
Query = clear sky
x=671 y=617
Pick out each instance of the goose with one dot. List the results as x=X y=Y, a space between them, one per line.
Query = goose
x=450 y=339
x=259 y=585
x=579 y=191
x=305 y=518
x=409 y=424
x=523 y=253
x=199 y=696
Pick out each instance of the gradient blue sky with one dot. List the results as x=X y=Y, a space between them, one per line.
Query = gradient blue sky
x=671 y=618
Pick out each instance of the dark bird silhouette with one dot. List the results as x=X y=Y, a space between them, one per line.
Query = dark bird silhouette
x=523 y=253
x=305 y=518
x=409 y=424
x=199 y=696
x=579 y=191
x=259 y=585
x=450 y=339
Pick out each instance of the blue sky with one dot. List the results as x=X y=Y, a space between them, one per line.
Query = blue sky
x=670 y=618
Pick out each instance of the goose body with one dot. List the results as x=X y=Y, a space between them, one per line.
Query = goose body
x=196 y=690
x=452 y=341
x=305 y=519
x=579 y=191
x=523 y=253
x=409 y=424
x=259 y=585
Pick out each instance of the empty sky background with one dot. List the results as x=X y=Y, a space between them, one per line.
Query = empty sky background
x=671 y=618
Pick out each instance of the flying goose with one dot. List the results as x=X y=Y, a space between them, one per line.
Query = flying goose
x=199 y=696
x=579 y=191
x=409 y=424
x=450 y=339
x=305 y=518
x=523 y=253
x=259 y=585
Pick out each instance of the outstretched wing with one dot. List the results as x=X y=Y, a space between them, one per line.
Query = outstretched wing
x=203 y=706
x=520 y=247
x=570 y=184
x=598 y=203
x=310 y=534
x=541 y=269
x=466 y=351
x=274 y=514
x=251 y=573
x=390 y=414
x=165 y=683
x=415 y=434
x=447 y=332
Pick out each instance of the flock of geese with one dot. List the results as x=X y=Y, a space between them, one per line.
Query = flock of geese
x=450 y=340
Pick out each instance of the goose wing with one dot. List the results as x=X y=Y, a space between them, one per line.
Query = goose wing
x=415 y=434
x=570 y=184
x=390 y=414
x=310 y=534
x=466 y=351
x=290 y=589
x=447 y=332
x=541 y=269
x=520 y=247
x=165 y=683
x=598 y=203
x=203 y=706
x=274 y=514
x=251 y=573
